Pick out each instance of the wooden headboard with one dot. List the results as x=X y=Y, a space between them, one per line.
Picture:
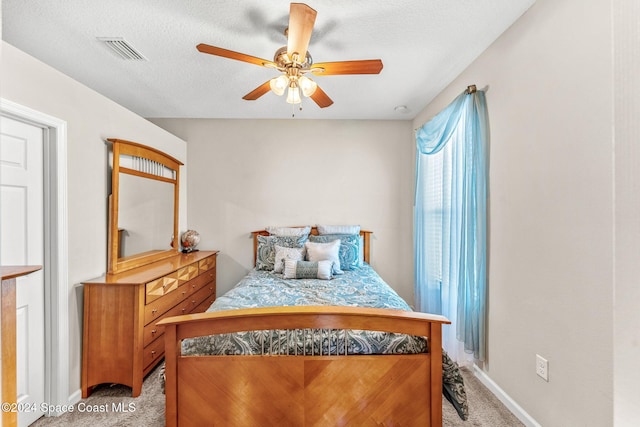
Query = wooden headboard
x=366 y=238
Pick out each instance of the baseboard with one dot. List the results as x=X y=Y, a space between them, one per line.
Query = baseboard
x=75 y=397
x=64 y=408
x=511 y=404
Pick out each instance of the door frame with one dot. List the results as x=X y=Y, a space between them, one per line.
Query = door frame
x=56 y=275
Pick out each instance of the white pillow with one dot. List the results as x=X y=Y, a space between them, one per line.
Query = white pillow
x=338 y=229
x=289 y=231
x=325 y=251
x=283 y=253
x=307 y=269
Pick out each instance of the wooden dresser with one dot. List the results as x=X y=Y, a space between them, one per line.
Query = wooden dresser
x=121 y=342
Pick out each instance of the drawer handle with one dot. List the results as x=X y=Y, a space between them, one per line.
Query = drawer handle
x=184 y=292
x=153 y=353
x=193 y=286
x=153 y=331
x=210 y=288
x=154 y=311
x=184 y=309
x=193 y=302
x=164 y=286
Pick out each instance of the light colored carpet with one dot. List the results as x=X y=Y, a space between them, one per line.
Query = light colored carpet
x=484 y=407
x=148 y=409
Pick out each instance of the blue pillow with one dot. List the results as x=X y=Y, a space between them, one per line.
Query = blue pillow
x=349 y=253
x=266 y=253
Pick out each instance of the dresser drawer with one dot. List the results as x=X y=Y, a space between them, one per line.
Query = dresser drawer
x=187 y=273
x=151 y=331
x=197 y=298
x=204 y=305
x=207 y=264
x=194 y=285
x=157 y=308
x=161 y=287
x=153 y=352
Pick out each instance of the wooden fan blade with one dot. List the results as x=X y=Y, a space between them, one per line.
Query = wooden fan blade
x=225 y=53
x=258 y=92
x=301 y=20
x=367 y=66
x=321 y=98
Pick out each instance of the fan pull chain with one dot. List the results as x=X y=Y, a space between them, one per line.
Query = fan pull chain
x=293 y=109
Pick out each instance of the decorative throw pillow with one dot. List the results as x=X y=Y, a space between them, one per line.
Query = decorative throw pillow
x=266 y=253
x=349 y=253
x=289 y=231
x=307 y=269
x=282 y=253
x=330 y=251
x=338 y=229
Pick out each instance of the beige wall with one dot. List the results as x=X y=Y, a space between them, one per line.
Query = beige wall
x=91 y=118
x=245 y=175
x=627 y=208
x=551 y=225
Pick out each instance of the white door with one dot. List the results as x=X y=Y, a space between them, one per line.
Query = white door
x=22 y=236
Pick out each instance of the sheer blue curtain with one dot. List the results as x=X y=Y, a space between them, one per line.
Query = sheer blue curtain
x=450 y=221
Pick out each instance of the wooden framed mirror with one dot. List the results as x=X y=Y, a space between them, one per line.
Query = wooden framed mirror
x=143 y=206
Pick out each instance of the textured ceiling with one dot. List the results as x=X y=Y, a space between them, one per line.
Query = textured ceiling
x=424 y=45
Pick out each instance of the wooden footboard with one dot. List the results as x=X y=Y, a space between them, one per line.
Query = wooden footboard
x=362 y=390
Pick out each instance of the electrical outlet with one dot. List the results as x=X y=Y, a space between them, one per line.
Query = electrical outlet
x=542 y=367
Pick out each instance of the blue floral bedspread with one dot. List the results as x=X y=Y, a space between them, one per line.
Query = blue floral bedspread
x=362 y=287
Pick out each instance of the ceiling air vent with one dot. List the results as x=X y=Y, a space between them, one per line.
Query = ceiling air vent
x=122 y=48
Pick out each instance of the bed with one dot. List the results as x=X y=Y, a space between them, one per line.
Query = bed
x=306 y=352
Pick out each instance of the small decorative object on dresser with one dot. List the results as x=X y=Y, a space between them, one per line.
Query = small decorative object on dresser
x=189 y=241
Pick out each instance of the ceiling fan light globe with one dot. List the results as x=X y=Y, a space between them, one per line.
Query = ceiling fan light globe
x=279 y=84
x=293 y=96
x=307 y=85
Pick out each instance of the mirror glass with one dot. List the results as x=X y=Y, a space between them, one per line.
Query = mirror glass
x=145 y=215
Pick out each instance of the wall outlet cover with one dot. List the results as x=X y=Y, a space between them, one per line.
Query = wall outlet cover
x=542 y=367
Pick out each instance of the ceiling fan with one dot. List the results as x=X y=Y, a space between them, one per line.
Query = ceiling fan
x=294 y=61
